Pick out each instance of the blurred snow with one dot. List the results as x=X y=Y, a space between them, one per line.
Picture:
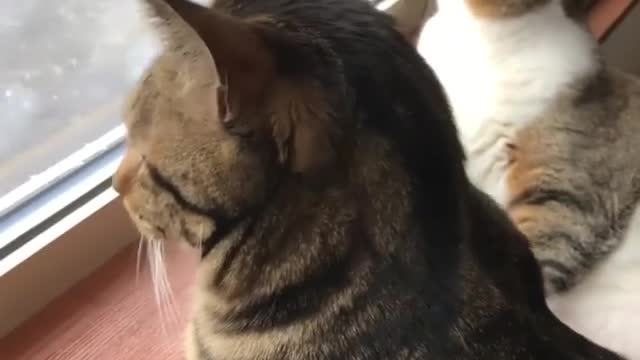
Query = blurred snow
x=61 y=61
x=65 y=65
x=64 y=68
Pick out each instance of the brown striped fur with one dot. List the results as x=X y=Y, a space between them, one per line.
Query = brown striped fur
x=309 y=153
x=575 y=176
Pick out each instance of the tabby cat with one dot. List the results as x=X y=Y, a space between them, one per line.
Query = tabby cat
x=308 y=152
x=553 y=134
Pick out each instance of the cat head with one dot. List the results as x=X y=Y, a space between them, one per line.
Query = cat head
x=228 y=107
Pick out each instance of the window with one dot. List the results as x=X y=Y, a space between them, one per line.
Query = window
x=60 y=91
x=61 y=88
x=65 y=68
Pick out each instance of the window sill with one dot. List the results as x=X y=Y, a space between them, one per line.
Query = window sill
x=109 y=315
x=59 y=257
x=58 y=227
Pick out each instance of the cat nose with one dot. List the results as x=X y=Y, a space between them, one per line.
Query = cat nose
x=127 y=172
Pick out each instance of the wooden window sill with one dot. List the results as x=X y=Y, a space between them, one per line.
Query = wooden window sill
x=108 y=316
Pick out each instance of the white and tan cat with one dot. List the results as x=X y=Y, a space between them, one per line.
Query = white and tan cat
x=553 y=135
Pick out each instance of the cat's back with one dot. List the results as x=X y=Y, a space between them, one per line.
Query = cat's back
x=605 y=146
x=588 y=143
x=593 y=127
x=605 y=306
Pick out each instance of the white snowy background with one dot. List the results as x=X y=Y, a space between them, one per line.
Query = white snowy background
x=65 y=65
x=60 y=62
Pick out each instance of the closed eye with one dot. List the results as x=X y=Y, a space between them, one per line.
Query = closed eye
x=213 y=213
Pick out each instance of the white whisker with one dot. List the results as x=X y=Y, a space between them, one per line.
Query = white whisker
x=138 y=256
x=153 y=263
x=169 y=299
x=201 y=238
x=161 y=286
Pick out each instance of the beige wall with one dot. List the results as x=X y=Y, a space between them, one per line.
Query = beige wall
x=622 y=47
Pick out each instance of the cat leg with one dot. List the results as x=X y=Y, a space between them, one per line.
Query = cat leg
x=569 y=236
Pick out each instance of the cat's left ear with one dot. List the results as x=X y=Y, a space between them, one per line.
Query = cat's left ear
x=409 y=15
x=264 y=77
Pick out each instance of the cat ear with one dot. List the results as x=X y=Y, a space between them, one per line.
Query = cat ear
x=244 y=55
x=238 y=51
x=409 y=15
x=306 y=129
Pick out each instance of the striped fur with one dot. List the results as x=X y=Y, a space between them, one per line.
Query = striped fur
x=308 y=152
x=554 y=136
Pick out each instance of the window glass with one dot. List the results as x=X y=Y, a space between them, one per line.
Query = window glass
x=64 y=69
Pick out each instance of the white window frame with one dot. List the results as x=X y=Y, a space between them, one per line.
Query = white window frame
x=69 y=211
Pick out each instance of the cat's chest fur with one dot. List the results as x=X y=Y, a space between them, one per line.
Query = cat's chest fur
x=499 y=75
